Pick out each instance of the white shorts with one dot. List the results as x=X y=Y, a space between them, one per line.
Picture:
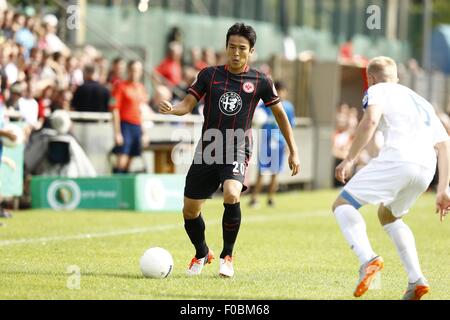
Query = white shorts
x=396 y=185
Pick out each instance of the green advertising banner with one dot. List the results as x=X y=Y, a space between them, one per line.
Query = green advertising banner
x=122 y=192
x=159 y=192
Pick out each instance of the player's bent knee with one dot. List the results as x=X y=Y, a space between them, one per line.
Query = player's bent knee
x=192 y=208
x=338 y=202
x=190 y=213
x=385 y=216
x=231 y=197
x=232 y=191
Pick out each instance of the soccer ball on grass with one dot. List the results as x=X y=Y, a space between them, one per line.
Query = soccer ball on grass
x=156 y=263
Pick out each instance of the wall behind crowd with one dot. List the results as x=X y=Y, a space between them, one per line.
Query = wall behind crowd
x=130 y=27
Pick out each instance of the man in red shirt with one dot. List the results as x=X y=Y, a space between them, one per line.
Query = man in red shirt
x=126 y=103
x=170 y=68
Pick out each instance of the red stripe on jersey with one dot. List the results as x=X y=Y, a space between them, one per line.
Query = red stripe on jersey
x=251 y=102
x=205 y=124
x=194 y=93
x=240 y=90
x=251 y=110
x=251 y=145
x=221 y=114
x=274 y=101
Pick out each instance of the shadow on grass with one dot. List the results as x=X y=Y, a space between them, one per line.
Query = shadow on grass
x=160 y=296
x=83 y=274
x=136 y=276
x=194 y=297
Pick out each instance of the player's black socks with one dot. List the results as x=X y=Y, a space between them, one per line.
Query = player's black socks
x=195 y=229
x=230 y=226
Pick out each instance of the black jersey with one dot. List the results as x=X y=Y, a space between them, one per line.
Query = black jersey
x=229 y=104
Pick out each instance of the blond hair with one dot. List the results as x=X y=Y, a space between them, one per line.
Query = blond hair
x=384 y=69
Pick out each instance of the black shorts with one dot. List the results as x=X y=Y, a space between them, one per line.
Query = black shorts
x=203 y=180
x=132 y=140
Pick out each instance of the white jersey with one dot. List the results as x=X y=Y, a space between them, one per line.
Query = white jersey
x=409 y=124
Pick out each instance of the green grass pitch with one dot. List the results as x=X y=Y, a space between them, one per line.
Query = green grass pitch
x=293 y=251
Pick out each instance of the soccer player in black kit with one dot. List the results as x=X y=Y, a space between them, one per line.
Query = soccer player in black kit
x=230 y=93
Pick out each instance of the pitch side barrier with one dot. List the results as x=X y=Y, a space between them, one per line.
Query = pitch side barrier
x=172 y=143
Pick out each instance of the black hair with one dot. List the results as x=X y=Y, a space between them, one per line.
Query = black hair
x=89 y=69
x=243 y=30
x=117 y=60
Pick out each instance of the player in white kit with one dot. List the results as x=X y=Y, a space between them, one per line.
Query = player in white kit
x=394 y=180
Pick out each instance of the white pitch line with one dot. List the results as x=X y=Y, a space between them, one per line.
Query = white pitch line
x=83 y=236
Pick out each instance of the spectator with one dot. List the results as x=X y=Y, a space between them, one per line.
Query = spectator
x=16 y=91
x=47 y=70
x=170 y=67
x=7 y=24
x=17 y=24
x=9 y=60
x=126 y=107
x=221 y=57
x=36 y=56
x=345 y=126
x=25 y=37
x=414 y=67
x=197 y=60
x=61 y=100
x=58 y=63
x=342 y=137
x=115 y=74
x=44 y=102
x=266 y=69
x=74 y=73
x=101 y=65
x=52 y=42
x=91 y=96
x=174 y=35
x=209 y=56
x=28 y=108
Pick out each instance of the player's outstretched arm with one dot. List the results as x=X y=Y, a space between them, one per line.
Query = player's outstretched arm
x=286 y=130
x=181 y=108
x=364 y=132
x=443 y=196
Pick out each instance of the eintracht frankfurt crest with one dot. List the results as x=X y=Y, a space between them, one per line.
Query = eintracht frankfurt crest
x=230 y=103
x=248 y=87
